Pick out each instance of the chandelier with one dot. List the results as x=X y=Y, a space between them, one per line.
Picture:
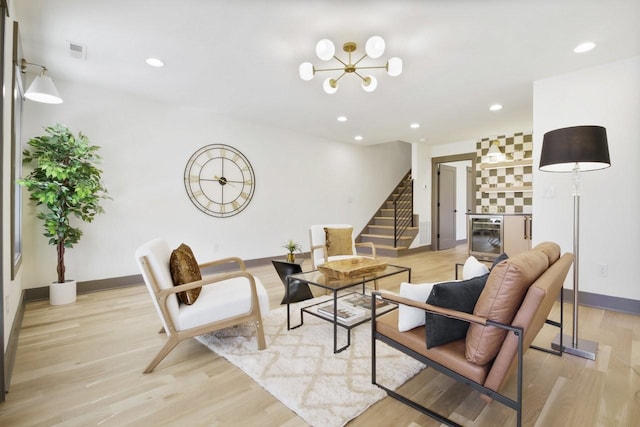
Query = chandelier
x=374 y=48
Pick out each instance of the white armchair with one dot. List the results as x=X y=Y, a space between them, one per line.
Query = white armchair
x=321 y=252
x=225 y=299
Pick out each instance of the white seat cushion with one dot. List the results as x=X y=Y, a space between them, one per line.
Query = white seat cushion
x=222 y=300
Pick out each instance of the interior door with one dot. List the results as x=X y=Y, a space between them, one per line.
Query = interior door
x=446 y=207
x=471 y=193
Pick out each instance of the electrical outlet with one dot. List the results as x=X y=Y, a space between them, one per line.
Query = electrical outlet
x=603 y=270
x=550 y=192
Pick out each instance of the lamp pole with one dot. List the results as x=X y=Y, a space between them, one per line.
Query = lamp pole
x=582 y=348
x=575 y=149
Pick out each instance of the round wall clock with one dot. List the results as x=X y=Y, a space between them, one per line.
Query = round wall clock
x=219 y=180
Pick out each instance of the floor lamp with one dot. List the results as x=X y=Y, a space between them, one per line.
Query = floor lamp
x=575 y=149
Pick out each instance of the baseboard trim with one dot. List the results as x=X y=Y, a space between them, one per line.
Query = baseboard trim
x=606 y=302
x=38 y=294
x=417 y=249
x=12 y=343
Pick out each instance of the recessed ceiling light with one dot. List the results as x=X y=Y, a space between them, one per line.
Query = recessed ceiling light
x=154 y=62
x=495 y=107
x=414 y=125
x=358 y=138
x=342 y=119
x=584 y=47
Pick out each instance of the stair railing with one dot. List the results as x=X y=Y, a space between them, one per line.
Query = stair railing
x=402 y=211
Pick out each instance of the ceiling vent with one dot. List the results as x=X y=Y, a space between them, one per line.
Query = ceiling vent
x=77 y=50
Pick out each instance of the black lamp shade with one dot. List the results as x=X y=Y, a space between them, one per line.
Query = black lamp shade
x=584 y=147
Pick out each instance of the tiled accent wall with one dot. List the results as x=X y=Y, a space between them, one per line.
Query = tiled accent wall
x=514 y=148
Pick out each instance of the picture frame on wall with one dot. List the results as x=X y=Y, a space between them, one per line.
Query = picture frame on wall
x=17 y=94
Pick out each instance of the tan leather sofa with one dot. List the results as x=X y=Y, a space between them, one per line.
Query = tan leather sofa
x=511 y=310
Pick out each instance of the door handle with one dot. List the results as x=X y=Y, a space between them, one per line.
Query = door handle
x=527 y=227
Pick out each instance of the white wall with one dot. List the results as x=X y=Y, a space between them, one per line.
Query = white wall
x=609 y=96
x=145 y=146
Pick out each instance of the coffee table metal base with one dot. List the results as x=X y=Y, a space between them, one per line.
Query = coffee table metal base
x=315 y=278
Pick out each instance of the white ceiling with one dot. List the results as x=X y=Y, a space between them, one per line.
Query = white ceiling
x=240 y=58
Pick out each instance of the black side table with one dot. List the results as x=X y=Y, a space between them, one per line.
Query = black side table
x=298 y=291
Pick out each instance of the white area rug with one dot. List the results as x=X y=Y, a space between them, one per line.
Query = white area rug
x=299 y=367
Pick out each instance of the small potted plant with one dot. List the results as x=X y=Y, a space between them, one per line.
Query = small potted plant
x=64 y=183
x=292 y=247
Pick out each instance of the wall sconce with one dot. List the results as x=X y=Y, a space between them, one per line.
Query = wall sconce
x=494 y=154
x=42 y=88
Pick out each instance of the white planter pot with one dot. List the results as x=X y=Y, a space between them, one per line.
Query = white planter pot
x=62 y=293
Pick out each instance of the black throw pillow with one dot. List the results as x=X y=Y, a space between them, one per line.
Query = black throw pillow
x=460 y=296
x=297 y=291
x=498 y=260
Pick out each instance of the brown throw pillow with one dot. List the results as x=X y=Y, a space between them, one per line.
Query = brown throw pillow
x=499 y=301
x=339 y=241
x=184 y=269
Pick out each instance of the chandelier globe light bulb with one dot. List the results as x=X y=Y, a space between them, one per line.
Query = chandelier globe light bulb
x=325 y=49
x=394 y=66
x=306 y=71
x=375 y=47
x=330 y=86
x=369 y=83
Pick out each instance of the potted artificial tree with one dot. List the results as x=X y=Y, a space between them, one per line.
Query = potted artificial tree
x=66 y=183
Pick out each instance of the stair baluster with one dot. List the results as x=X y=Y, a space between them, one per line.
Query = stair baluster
x=402 y=211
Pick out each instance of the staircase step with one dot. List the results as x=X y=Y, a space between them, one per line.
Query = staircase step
x=380 y=230
x=389 y=251
x=387 y=230
x=381 y=239
x=383 y=220
x=388 y=212
x=402 y=204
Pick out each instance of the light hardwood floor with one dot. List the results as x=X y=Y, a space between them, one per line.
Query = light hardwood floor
x=81 y=365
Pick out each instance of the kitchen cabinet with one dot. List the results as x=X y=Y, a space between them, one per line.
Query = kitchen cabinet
x=517 y=233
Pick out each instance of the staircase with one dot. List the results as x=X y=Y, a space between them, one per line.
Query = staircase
x=394 y=226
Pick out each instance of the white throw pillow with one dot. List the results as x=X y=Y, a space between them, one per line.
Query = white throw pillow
x=410 y=317
x=473 y=268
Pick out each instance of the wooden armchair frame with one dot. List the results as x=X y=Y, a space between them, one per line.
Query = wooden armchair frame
x=175 y=336
x=323 y=246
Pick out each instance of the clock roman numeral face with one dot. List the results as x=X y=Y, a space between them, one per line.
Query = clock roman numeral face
x=219 y=180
